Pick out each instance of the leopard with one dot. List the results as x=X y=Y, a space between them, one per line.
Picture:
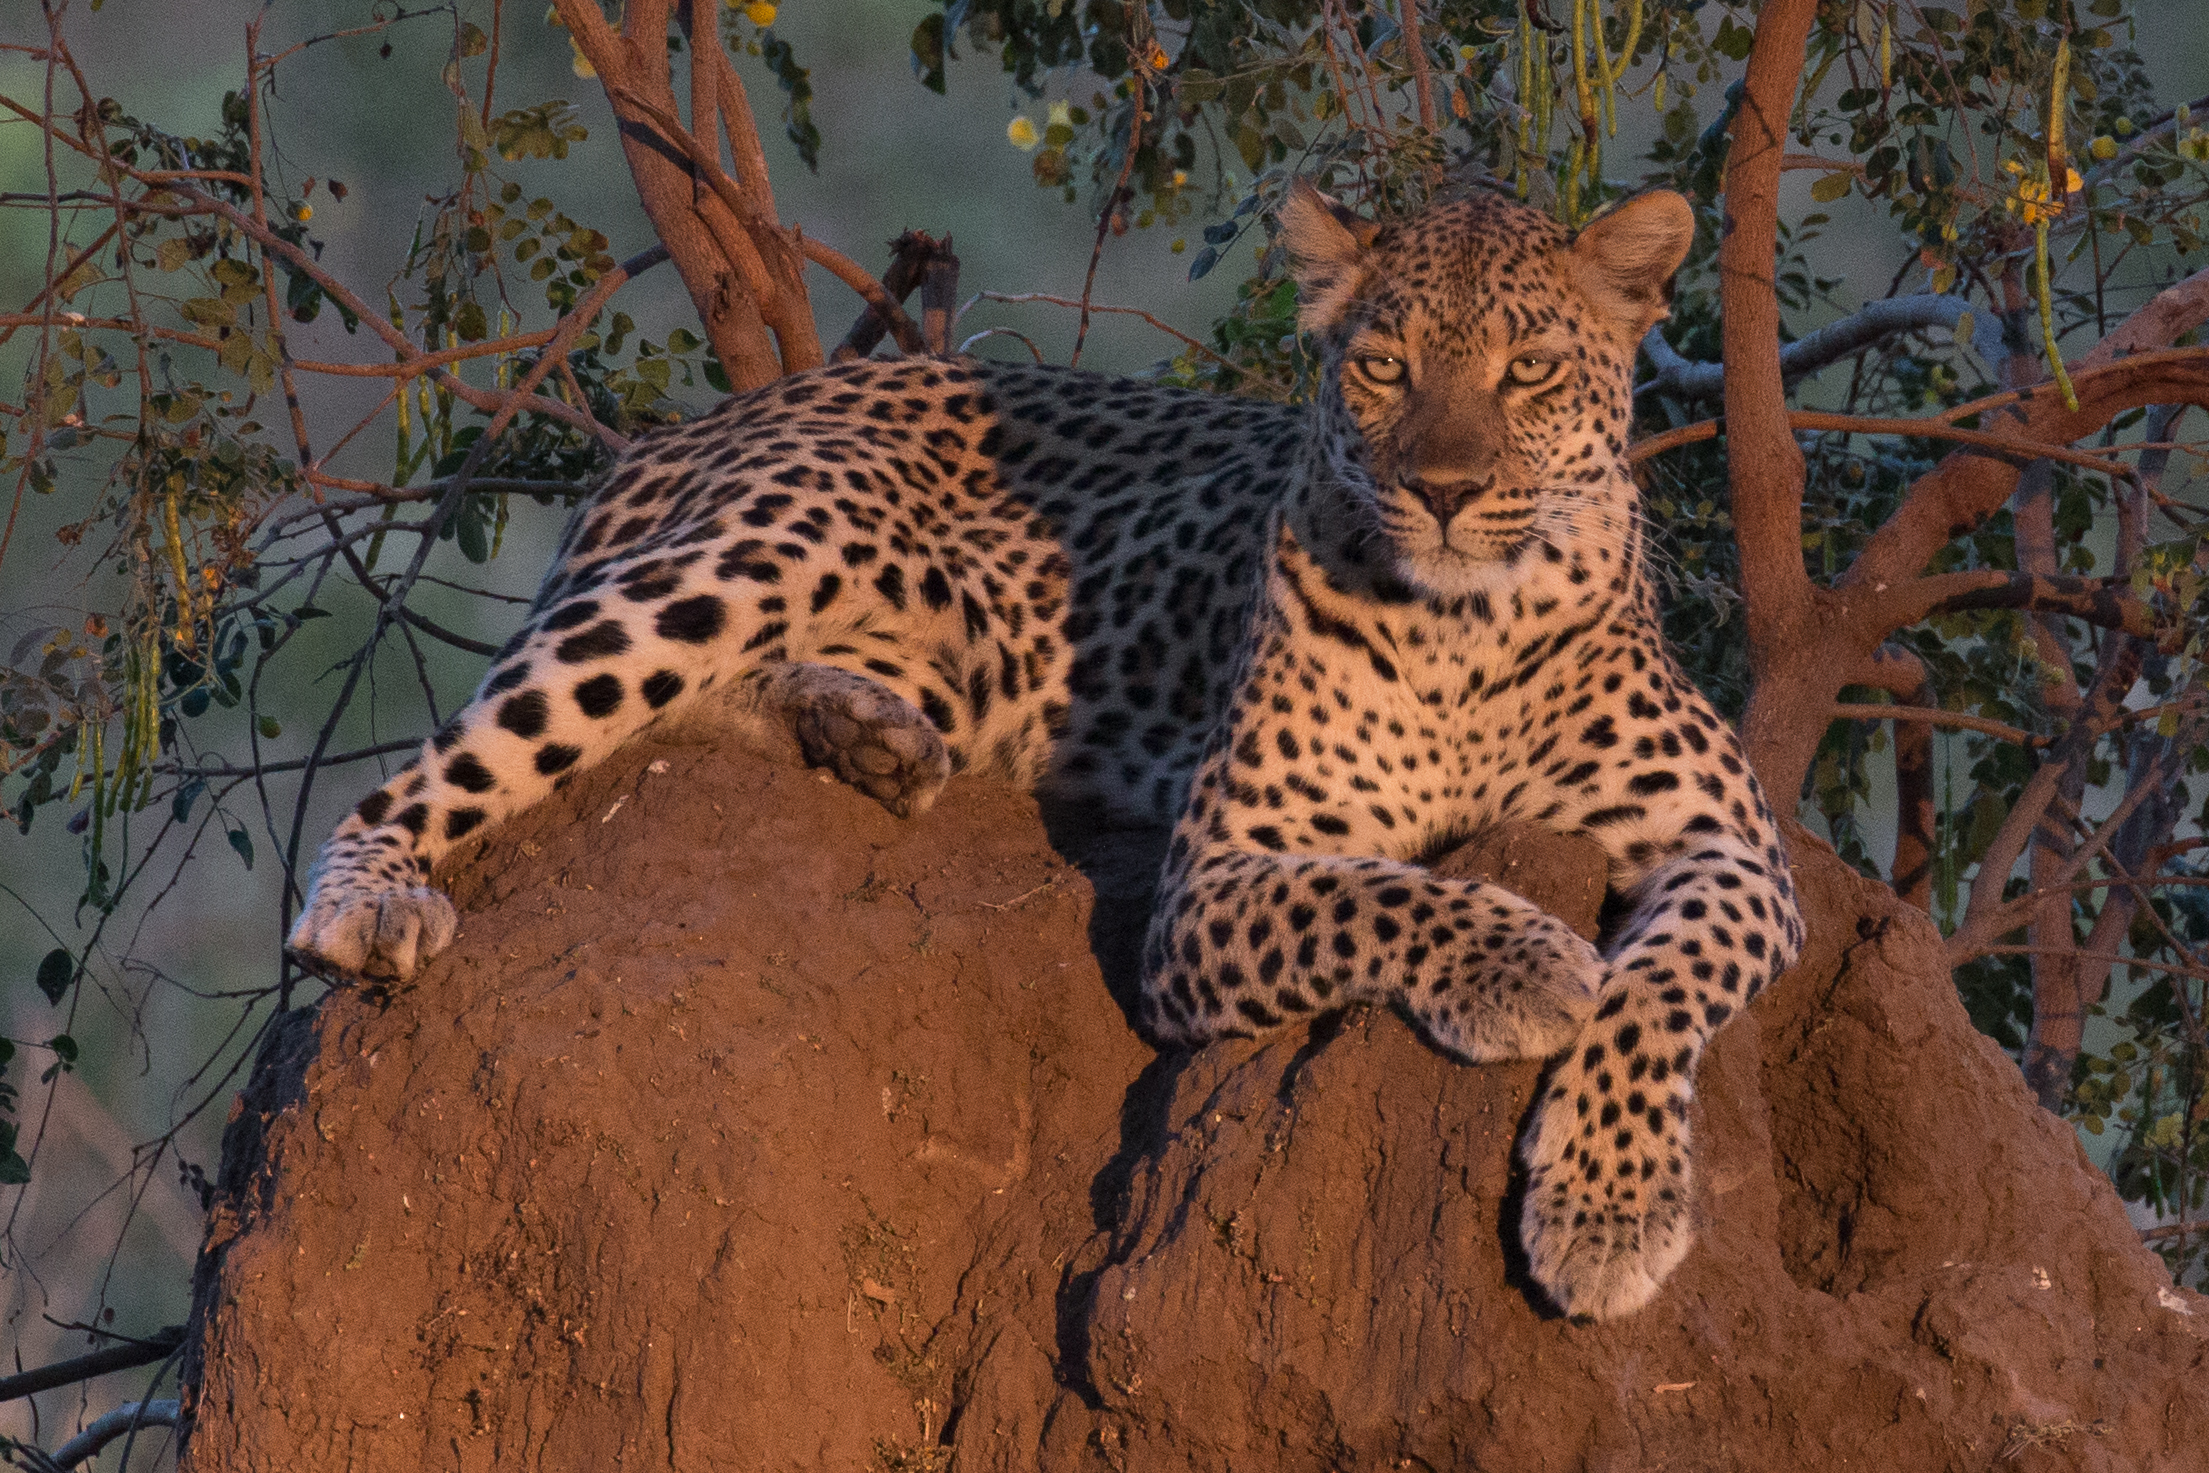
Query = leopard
x=1321 y=643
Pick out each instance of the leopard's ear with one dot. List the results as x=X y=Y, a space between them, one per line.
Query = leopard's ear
x=1328 y=242
x=1625 y=258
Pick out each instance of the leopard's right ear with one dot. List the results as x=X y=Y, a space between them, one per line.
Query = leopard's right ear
x=1329 y=244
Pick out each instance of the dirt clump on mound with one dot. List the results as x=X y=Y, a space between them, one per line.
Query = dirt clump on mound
x=749 y=1127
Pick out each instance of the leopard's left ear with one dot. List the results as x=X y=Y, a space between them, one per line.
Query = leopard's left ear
x=1625 y=258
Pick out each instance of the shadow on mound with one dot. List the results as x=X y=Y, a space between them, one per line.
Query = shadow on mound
x=747 y=1127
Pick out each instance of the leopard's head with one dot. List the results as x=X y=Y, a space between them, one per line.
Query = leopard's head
x=1476 y=391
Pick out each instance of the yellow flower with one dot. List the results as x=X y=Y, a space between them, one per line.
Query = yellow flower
x=760 y=13
x=1181 y=177
x=1021 y=133
x=303 y=213
x=2103 y=147
x=1158 y=58
x=579 y=63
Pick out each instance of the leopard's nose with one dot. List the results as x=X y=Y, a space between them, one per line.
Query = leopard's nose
x=1444 y=499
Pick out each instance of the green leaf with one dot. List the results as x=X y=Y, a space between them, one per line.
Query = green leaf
x=928 y=53
x=242 y=841
x=472 y=40
x=797 y=85
x=14 y=1170
x=468 y=531
x=271 y=728
x=209 y=312
x=56 y=970
x=1833 y=186
x=64 y=1047
x=173 y=254
x=180 y=806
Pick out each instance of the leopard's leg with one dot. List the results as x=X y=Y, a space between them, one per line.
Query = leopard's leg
x=1607 y=1214
x=1244 y=942
x=582 y=677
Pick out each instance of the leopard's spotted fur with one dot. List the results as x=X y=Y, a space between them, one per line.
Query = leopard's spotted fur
x=1330 y=641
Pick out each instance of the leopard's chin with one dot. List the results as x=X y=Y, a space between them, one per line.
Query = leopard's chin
x=1487 y=563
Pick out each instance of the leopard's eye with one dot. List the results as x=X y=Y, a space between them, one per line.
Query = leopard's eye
x=1529 y=371
x=1382 y=370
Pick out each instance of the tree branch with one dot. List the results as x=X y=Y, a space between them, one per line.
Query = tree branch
x=852 y=274
x=1966 y=488
x=121 y=1422
x=909 y=255
x=2107 y=602
x=1933 y=428
x=1689 y=379
x=710 y=260
x=1935 y=716
x=157 y=1346
x=1764 y=464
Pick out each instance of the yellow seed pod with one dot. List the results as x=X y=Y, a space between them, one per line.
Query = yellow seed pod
x=2103 y=147
x=760 y=13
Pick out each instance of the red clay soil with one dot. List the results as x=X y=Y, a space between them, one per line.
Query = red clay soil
x=748 y=1127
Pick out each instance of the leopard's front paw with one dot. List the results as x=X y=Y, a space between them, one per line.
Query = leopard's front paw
x=369 y=934
x=1529 y=990
x=1606 y=1218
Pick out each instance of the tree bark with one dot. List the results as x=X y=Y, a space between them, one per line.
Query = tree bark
x=1764 y=464
x=749 y=292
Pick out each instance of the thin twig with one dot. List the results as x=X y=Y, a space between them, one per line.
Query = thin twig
x=1174 y=332
x=1850 y=711
x=1112 y=202
x=95 y=1363
x=1924 y=429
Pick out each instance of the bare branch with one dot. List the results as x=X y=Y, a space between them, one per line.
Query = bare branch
x=1170 y=331
x=1935 y=716
x=1925 y=429
x=2107 y=602
x=157 y=1346
x=2173 y=1230
x=122 y=1422
x=1688 y=379
x=909 y=255
x=853 y=275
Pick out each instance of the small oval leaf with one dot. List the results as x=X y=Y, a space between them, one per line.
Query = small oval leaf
x=56 y=970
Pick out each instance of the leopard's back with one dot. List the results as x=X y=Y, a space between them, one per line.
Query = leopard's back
x=1053 y=566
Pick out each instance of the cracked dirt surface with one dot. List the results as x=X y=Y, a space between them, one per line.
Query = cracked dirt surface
x=749 y=1127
